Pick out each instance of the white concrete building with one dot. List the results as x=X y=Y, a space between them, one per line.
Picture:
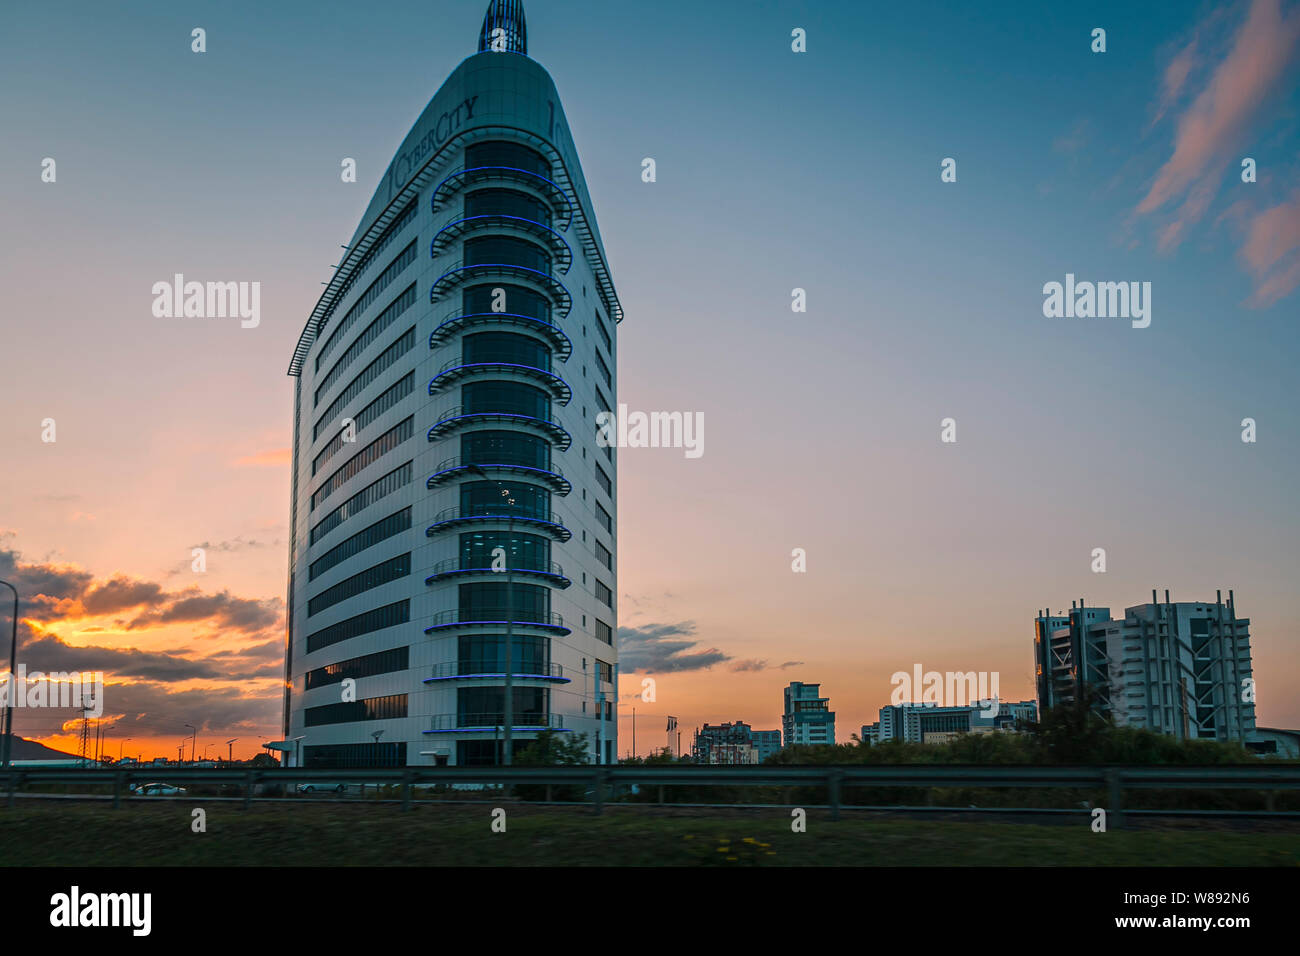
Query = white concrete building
x=1181 y=669
x=448 y=488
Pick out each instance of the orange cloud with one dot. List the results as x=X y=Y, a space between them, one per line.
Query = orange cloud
x=274 y=458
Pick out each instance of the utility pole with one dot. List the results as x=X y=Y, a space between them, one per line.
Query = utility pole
x=13 y=682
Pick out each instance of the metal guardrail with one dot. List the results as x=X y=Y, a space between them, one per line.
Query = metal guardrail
x=600 y=778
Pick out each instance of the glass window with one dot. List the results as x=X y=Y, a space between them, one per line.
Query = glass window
x=486 y=498
x=505 y=448
x=505 y=347
x=506 y=250
x=529 y=551
x=511 y=398
x=486 y=601
x=500 y=153
x=481 y=298
x=506 y=202
x=486 y=654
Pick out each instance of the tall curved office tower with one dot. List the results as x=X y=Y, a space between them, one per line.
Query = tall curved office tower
x=448 y=488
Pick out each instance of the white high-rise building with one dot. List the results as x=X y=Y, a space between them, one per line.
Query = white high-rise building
x=1181 y=669
x=448 y=488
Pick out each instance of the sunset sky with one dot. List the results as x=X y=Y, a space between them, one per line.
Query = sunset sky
x=775 y=170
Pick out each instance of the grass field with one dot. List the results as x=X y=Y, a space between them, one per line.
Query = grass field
x=79 y=834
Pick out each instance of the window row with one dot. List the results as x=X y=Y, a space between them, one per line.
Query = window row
x=394 y=394
x=379 y=531
x=404 y=219
x=382 y=363
x=404 y=300
x=367 y=496
x=346 y=712
x=385 y=279
x=391 y=570
x=347 y=756
x=365 y=457
x=370 y=665
x=368 y=622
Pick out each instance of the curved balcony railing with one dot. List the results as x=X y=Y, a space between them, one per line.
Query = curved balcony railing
x=493 y=722
x=457 y=370
x=457 y=516
x=561 y=206
x=496 y=617
x=483 y=670
x=454 y=568
x=458 y=323
x=453 y=468
x=458 y=227
x=456 y=417
x=457 y=274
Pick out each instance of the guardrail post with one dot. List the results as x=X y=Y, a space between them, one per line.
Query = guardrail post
x=406 y=790
x=598 y=791
x=1114 y=780
x=117 y=789
x=833 y=779
x=250 y=779
x=12 y=778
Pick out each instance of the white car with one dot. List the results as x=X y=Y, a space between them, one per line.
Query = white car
x=322 y=787
x=156 y=790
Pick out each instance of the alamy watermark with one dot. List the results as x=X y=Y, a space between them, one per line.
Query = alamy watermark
x=81 y=690
x=208 y=300
x=1101 y=300
x=624 y=429
x=950 y=689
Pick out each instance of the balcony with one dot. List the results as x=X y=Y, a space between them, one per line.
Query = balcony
x=458 y=323
x=456 y=516
x=494 y=723
x=481 y=670
x=453 y=568
x=457 y=370
x=453 y=468
x=454 y=418
x=457 y=228
x=497 y=618
x=458 y=274
x=561 y=206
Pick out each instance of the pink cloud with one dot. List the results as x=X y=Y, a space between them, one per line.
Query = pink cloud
x=1213 y=126
x=1272 y=251
x=1175 y=78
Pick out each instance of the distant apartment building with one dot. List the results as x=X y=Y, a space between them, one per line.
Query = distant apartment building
x=767 y=742
x=928 y=724
x=733 y=743
x=807 y=718
x=1181 y=669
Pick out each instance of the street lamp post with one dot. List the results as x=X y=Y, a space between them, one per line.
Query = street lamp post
x=510 y=615
x=194 y=741
x=13 y=680
x=230 y=750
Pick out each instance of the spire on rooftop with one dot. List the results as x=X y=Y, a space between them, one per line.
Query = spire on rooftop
x=507 y=17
